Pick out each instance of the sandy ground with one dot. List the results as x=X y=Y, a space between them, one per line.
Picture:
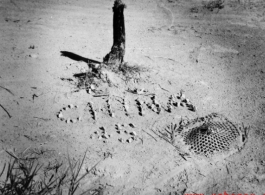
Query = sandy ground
x=216 y=57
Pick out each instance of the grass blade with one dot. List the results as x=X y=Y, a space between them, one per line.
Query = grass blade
x=3 y=170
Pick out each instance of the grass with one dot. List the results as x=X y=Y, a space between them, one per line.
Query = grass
x=24 y=175
x=131 y=71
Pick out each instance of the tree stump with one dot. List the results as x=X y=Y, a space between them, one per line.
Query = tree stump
x=115 y=57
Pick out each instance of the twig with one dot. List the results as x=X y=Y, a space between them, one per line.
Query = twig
x=26 y=149
x=148 y=94
x=6 y=111
x=157 y=134
x=170 y=144
x=7 y=90
x=171 y=59
x=149 y=57
x=227 y=170
x=34 y=96
x=12 y=154
x=100 y=95
x=28 y=137
x=163 y=88
x=150 y=135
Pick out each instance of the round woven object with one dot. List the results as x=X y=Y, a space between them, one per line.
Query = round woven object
x=209 y=136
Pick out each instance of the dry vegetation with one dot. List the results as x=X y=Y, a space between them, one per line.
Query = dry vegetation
x=25 y=175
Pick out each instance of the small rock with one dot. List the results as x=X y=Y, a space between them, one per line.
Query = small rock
x=60 y=115
x=121 y=140
x=104 y=136
x=95 y=66
x=118 y=126
x=126 y=107
x=169 y=108
x=124 y=125
x=182 y=96
x=89 y=91
x=79 y=118
x=71 y=106
x=133 y=133
x=129 y=140
x=159 y=109
x=33 y=55
x=74 y=120
x=181 y=103
x=193 y=108
x=140 y=91
x=103 y=129
x=96 y=132
x=119 y=132
x=93 y=87
x=142 y=113
x=131 y=125
x=68 y=120
x=65 y=108
x=112 y=115
x=125 y=131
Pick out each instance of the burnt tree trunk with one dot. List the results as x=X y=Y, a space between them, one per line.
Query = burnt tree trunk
x=115 y=56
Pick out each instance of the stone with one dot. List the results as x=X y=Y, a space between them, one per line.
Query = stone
x=133 y=133
x=131 y=125
x=118 y=126
x=93 y=87
x=104 y=136
x=121 y=140
x=129 y=140
x=60 y=115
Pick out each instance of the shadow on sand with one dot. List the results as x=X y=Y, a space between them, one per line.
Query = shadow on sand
x=76 y=57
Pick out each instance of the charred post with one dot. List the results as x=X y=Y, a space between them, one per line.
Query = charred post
x=116 y=55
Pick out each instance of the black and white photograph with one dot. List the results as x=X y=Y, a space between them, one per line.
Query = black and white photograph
x=132 y=97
